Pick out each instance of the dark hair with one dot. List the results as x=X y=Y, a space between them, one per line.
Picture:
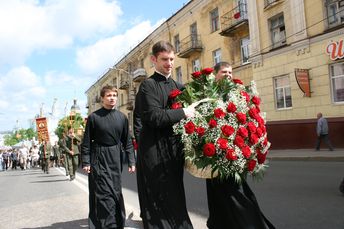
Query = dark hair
x=106 y=89
x=162 y=46
x=219 y=65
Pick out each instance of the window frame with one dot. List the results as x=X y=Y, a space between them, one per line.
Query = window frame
x=284 y=91
x=179 y=74
x=194 y=63
x=278 y=29
x=243 y=48
x=217 y=56
x=333 y=79
x=214 y=20
x=176 y=43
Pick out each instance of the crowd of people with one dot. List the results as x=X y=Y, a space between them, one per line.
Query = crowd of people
x=38 y=155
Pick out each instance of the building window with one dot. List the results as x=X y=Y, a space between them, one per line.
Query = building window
x=244 y=43
x=335 y=12
x=176 y=43
x=217 y=56
x=337 y=82
x=214 y=20
x=282 y=92
x=121 y=101
x=179 y=74
x=196 y=65
x=277 y=29
x=142 y=63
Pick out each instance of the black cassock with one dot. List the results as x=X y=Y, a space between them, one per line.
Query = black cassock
x=160 y=161
x=106 y=134
x=233 y=205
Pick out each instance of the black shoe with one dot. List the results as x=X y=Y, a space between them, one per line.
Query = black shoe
x=72 y=178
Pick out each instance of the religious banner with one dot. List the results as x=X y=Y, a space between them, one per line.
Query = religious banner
x=42 y=129
x=302 y=78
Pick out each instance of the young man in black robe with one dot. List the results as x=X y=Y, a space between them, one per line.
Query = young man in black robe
x=160 y=160
x=106 y=133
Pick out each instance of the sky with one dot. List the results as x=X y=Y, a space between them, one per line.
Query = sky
x=54 y=50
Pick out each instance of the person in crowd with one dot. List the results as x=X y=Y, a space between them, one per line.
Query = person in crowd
x=64 y=152
x=45 y=150
x=6 y=158
x=14 y=158
x=160 y=159
x=322 y=132
x=232 y=205
x=106 y=134
x=23 y=155
x=34 y=156
x=71 y=146
x=56 y=154
x=1 y=161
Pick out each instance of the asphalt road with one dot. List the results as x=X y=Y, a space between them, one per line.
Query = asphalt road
x=293 y=195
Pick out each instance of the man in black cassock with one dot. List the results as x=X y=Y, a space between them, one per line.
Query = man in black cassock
x=106 y=132
x=160 y=160
x=232 y=205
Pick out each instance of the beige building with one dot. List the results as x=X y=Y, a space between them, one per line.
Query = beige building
x=280 y=44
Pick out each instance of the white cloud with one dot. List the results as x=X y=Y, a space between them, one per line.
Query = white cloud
x=103 y=54
x=27 y=26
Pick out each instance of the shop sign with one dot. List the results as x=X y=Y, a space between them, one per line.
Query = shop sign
x=302 y=78
x=335 y=50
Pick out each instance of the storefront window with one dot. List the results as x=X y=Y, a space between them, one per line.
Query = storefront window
x=282 y=92
x=337 y=82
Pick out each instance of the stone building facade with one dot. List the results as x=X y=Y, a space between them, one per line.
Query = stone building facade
x=293 y=49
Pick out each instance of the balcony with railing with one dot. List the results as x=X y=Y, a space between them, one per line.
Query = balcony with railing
x=190 y=45
x=124 y=84
x=130 y=104
x=139 y=75
x=270 y=3
x=234 y=19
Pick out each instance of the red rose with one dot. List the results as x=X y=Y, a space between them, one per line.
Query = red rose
x=223 y=143
x=237 y=81
x=251 y=164
x=253 y=139
x=265 y=142
x=256 y=100
x=261 y=157
x=207 y=71
x=241 y=118
x=200 y=131
x=212 y=123
x=259 y=132
x=239 y=141
x=253 y=112
x=176 y=105
x=242 y=131
x=246 y=151
x=219 y=113
x=174 y=93
x=251 y=127
x=231 y=155
x=209 y=149
x=246 y=95
x=227 y=130
x=231 y=108
x=196 y=75
x=189 y=127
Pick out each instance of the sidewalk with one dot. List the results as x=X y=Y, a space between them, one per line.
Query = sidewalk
x=306 y=155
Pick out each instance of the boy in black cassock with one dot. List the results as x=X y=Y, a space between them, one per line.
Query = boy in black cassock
x=106 y=132
x=160 y=161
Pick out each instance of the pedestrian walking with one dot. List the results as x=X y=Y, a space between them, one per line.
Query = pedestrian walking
x=45 y=152
x=322 y=132
x=160 y=159
x=71 y=146
x=106 y=134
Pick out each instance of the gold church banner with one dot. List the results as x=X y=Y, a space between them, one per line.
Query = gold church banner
x=42 y=129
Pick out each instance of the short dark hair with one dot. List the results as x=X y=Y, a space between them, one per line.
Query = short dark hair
x=162 y=46
x=219 y=65
x=108 y=88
